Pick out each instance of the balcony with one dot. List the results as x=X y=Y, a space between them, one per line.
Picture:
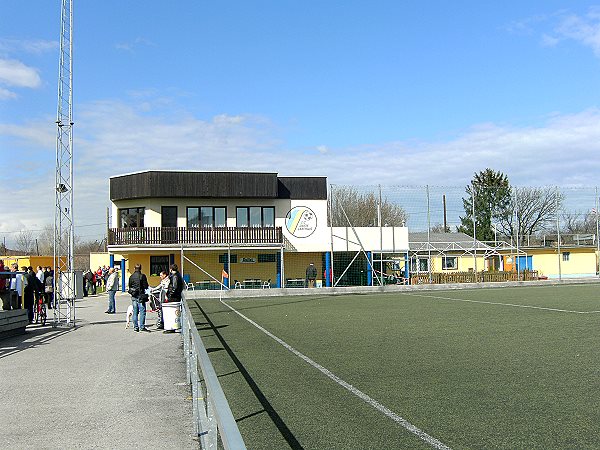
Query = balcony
x=195 y=236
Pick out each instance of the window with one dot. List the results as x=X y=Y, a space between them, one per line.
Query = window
x=267 y=257
x=223 y=258
x=255 y=216
x=158 y=264
x=193 y=217
x=220 y=215
x=423 y=265
x=566 y=256
x=449 y=262
x=132 y=217
x=206 y=216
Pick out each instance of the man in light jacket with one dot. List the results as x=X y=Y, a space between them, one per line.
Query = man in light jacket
x=112 y=285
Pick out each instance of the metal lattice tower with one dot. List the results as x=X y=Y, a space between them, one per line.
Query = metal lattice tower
x=64 y=276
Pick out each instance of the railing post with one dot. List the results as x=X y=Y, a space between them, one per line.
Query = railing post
x=195 y=394
x=211 y=423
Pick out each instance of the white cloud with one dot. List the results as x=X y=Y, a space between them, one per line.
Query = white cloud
x=134 y=45
x=5 y=94
x=15 y=73
x=36 y=46
x=564 y=26
x=113 y=137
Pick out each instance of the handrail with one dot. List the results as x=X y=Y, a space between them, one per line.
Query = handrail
x=210 y=408
x=200 y=235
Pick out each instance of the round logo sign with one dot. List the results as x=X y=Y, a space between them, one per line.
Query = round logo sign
x=301 y=221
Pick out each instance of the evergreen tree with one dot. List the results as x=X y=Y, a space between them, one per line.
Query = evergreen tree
x=492 y=195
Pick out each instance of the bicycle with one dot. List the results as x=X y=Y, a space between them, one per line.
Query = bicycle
x=40 y=311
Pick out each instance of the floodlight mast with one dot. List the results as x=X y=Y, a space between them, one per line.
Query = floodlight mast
x=64 y=275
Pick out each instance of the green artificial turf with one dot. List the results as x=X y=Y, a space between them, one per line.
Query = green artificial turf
x=472 y=375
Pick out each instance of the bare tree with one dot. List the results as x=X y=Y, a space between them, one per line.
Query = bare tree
x=46 y=240
x=439 y=228
x=361 y=209
x=579 y=223
x=25 y=242
x=535 y=210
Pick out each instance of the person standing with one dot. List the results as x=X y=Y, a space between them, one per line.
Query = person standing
x=49 y=287
x=40 y=274
x=175 y=285
x=138 y=283
x=161 y=291
x=17 y=282
x=311 y=275
x=4 y=293
x=29 y=291
x=175 y=288
x=112 y=285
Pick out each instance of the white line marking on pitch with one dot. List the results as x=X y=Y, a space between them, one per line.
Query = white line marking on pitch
x=374 y=403
x=500 y=304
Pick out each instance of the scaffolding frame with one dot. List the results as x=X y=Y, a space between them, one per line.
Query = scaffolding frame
x=64 y=274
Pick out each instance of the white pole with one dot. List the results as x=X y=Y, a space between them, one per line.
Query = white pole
x=429 y=237
x=597 y=241
x=558 y=237
x=517 y=233
x=474 y=233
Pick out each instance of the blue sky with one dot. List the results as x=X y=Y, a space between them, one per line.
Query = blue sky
x=407 y=93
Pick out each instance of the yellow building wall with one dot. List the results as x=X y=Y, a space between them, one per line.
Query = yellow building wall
x=209 y=262
x=465 y=263
x=582 y=262
x=33 y=261
x=295 y=265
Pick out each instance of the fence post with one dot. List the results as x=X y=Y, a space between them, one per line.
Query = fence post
x=428 y=237
x=558 y=236
x=474 y=232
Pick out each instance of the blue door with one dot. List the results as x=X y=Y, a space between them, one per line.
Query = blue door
x=525 y=263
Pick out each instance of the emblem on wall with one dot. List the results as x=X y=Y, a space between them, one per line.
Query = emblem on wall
x=301 y=221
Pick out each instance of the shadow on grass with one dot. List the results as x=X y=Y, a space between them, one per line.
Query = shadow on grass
x=286 y=433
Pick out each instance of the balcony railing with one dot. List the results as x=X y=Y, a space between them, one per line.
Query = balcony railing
x=199 y=236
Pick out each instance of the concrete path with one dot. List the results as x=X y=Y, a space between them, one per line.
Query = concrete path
x=95 y=386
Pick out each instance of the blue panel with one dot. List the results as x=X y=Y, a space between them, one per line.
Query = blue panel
x=122 y=275
x=525 y=263
x=328 y=269
x=369 y=270
x=278 y=282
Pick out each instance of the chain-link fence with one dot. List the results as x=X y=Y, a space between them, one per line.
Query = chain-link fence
x=472 y=233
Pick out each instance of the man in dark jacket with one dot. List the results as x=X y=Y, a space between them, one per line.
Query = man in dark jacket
x=311 y=275
x=138 y=283
x=175 y=285
x=30 y=292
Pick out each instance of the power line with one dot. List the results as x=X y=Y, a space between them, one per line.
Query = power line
x=33 y=230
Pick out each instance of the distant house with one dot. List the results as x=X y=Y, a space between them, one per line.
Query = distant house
x=450 y=252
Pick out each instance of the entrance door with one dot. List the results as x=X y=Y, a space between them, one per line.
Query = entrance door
x=525 y=263
x=168 y=223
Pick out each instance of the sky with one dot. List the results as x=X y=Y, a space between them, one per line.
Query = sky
x=409 y=93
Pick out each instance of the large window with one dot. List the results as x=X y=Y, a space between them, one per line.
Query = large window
x=255 y=216
x=158 y=264
x=206 y=216
x=131 y=217
x=449 y=262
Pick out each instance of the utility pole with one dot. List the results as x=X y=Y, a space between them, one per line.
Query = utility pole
x=64 y=275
